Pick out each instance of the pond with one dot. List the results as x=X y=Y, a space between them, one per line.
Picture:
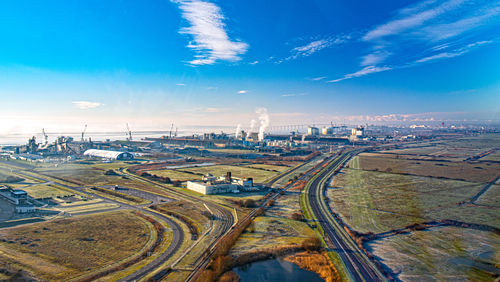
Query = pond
x=275 y=270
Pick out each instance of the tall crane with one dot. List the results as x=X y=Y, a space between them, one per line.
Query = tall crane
x=83 y=133
x=171 y=127
x=128 y=133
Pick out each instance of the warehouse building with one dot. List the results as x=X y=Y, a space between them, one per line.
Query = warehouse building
x=211 y=185
x=110 y=155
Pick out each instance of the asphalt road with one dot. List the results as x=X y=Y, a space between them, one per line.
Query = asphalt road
x=358 y=265
x=177 y=238
x=202 y=264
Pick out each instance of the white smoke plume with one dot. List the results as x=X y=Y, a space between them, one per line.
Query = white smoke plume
x=237 y=133
x=252 y=125
x=264 y=122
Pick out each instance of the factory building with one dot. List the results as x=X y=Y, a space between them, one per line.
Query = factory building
x=210 y=185
x=17 y=197
x=312 y=131
x=358 y=131
x=210 y=189
x=110 y=155
x=253 y=137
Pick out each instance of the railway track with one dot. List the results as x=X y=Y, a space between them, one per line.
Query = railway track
x=177 y=236
x=203 y=264
x=357 y=263
x=221 y=215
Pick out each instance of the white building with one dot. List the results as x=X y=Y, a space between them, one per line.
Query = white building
x=110 y=155
x=210 y=184
x=312 y=131
x=208 y=188
x=358 y=131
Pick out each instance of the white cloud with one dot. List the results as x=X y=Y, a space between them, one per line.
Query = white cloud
x=85 y=105
x=253 y=63
x=293 y=95
x=365 y=71
x=210 y=39
x=311 y=48
x=454 y=53
x=315 y=46
x=242 y=92
x=441 y=31
x=404 y=40
x=318 y=78
x=440 y=56
x=180 y=84
x=375 y=58
x=412 y=18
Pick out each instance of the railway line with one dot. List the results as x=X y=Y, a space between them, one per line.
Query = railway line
x=359 y=266
x=177 y=232
x=203 y=264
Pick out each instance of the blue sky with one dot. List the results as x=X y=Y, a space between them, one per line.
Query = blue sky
x=67 y=63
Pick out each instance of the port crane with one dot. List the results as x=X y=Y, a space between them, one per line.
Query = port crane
x=171 y=127
x=83 y=133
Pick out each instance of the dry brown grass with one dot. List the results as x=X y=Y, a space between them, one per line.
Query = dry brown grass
x=70 y=247
x=189 y=210
x=229 y=276
x=467 y=171
x=316 y=262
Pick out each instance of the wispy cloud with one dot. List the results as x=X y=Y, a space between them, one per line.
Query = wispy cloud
x=365 y=71
x=412 y=17
x=85 y=105
x=315 y=46
x=449 y=26
x=253 y=63
x=293 y=95
x=242 y=92
x=318 y=78
x=180 y=84
x=454 y=53
x=210 y=39
x=375 y=57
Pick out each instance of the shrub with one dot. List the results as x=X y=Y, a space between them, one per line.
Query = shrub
x=312 y=244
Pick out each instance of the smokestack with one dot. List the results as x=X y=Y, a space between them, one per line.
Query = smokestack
x=237 y=133
x=228 y=176
x=264 y=122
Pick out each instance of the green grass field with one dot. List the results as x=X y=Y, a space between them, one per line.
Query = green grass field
x=377 y=202
x=490 y=197
x=175 y=174
x=269 y=232
x=43 y=191
x=279 y=168
x=258 y=175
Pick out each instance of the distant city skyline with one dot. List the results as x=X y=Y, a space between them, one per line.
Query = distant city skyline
x=64 y=64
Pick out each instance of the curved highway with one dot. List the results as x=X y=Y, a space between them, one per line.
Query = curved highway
x=357 y=263
x=177 y=238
